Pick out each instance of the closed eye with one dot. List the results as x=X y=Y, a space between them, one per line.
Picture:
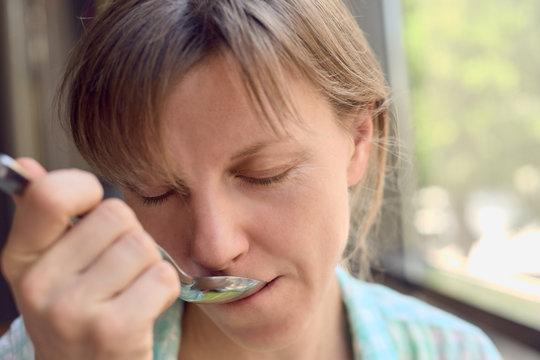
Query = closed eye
x=264 y=181
x=157 y=200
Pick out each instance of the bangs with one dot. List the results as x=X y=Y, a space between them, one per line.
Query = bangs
x=136 y=51
x=116 y=85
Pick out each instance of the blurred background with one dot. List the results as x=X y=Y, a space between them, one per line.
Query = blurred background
x=36 y=37
x=464 y=205
x=474 y=70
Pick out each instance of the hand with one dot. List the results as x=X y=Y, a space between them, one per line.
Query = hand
x=90 y=291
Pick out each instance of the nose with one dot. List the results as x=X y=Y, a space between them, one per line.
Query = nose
x=218 y=240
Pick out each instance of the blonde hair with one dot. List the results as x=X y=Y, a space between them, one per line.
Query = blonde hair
x=136 y=50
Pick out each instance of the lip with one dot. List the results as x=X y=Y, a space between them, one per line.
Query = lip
x=253 y=297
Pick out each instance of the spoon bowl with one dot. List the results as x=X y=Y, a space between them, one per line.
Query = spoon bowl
x=206 y=289
x=212 y=289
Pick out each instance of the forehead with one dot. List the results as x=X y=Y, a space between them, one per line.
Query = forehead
x=211 y=124
x=214 y=96
x=212 y=90
x=209 y=117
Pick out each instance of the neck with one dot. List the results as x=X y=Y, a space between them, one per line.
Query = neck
x=326 y=337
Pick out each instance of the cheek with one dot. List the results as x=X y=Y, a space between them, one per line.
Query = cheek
x=309 y=224
x=326 y=220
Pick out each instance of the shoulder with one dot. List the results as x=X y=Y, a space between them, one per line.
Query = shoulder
x=412 y=328
x=15 y=344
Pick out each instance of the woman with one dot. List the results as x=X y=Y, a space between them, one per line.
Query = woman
x=235 y=130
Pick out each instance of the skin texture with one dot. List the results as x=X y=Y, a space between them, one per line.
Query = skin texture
x=254 y=203
x=246 y=201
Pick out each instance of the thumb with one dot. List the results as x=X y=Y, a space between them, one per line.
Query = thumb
x=31 y=167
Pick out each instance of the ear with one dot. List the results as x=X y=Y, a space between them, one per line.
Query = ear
x=362 y=135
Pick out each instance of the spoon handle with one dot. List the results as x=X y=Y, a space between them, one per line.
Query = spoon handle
x=184 y=278
x=13 y=179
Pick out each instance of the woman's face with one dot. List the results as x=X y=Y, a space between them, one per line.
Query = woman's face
x=253 y=203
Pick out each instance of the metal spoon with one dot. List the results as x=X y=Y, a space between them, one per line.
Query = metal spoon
x=212 y=289
x=205 y=289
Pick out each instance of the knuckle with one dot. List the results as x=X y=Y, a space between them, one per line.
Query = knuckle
x=164 y=274
x=115 y=210
x=92 y=184
x=140 y=243
x=47 y=195
x=132 y=244
x=92 y=180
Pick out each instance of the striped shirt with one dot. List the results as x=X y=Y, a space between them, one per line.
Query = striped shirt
x=383 y=324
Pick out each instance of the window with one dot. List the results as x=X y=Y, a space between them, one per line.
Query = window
x=475 y=122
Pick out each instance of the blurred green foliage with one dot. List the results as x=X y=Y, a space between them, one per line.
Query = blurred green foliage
x=474 y=69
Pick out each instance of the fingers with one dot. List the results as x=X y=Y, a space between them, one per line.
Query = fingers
x=45 y=212
x=154 y=291
x=119 y=327
x=90 y=289
x=84 y=243
x=134 y=311
x=120 y=266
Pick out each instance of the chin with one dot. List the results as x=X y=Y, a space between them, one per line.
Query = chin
x=269 y=320
x=272 y=335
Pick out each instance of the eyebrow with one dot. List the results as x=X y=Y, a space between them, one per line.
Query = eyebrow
x=247 y=152
x=258 y=147
x=179 y=185
x=252 y=150
x=297 y=155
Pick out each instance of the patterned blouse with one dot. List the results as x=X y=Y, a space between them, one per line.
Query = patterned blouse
x=383 y=324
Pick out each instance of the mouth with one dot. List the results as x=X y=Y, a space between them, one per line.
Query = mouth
x=257 y=294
